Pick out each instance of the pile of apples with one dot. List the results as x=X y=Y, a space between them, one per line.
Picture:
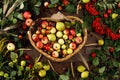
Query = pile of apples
x=57 y=39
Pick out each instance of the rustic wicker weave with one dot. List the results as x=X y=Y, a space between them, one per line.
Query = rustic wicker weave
x=68 y=56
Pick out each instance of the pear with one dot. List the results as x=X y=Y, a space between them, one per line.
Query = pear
x=51 y=37
x=60 y=26
x=114 y=15
x=85 y=74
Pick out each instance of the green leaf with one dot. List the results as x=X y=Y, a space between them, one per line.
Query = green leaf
x=70 y=8
x=21 y=52
x=19 y=72
x=13 y=73
x=36 y=10
x=54 y=1
x=38 y=4
x=102 y=69
x=13 y=55
x=64 y=77
x=0 y=10
x=20 y=16
x=21 y=6
x=95 y=61
x=14 y=20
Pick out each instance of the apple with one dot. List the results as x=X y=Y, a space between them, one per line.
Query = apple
x=46 y=4
x=59 y=34
x=81 y=68
x=66 y=31
x=46 y=67
x=6 y=75
x=35 y=37
x=56 y=46
x=47 y=47
x=105 y=15
x=78 y=34
x=55 y=54
x=60 y=26
x=119 y=5
x=51 y=37
x=27 y=15
x=78 y=40
x=29 y=22
x=85 y=1
x=38 y=65
x=72 y=45
x=100 y=42
x=30 y=66
x=37 y=32
x=39 y=44
x=70 y=37
x=47 y=31
x=10 y=46
x=53 y=30
x=44 y=40
x=64 y=51
x=114 y=15
x=48 y=27
x=65 y=36
x=27 y=57
x=85 y=74
x=72 y=32
x=1 y=73
x=67 y=24
x=69 y=51
x=109 y=11
x=43 y=31
x=60 y=41
x=23 y=63
x=40 y=36
x=42 y=73
x=44 y=24
x=63 y=46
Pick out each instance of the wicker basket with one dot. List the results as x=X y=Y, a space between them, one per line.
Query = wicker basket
x=68 y=56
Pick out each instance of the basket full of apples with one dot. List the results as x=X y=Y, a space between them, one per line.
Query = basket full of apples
x=58 y=37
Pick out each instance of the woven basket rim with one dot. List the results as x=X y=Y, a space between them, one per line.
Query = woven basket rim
x=68 y=56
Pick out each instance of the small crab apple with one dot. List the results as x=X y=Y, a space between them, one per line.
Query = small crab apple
x=39 y=44
x=51 y=37
x=55 y=54
x=93 y=54
x=66 y=31
x=47 y=47
x=27 y=15
x=59 y=34
x=27 y=57
x=64 y=51
x=42 y=73
x=60 y=26
x=53 y=30
x=78 y=34
x=10 y=46
x=23 y=63
x=70 y=37
x=60 y=41
x=109 y=11
x=56 y=46
x=72 y=45
x=37 y=32
x=35 y=37
x=84 y=74
x=40 y=36
x=78 y=40
x=44 y=24
x=65 y=36
x=69 y=51
x=63 y=46
x=29 y=22
x=100 y=42
x=46 y=67
x=105 y=15
x=44 y=40
x=72 y=31
x=111 y=50
x=81 y=68
x=47 y=31
x=46 y=4
x=119 y=5
x=30 y=66
x=43 y=31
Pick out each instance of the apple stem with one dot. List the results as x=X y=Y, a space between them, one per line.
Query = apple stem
x=84 y=61
x=92 y=44
x=72 y=69
x=52 y=66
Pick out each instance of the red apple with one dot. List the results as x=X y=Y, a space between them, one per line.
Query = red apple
x=55 y=54
x=66 y=31
x=47 y=31
x=64 y=51
x=37 y=32
x=109 y=11
x=72 y=45
x=44 y=40
x=105 y=15
x=35 y=37
x=29 y=22
x=78 y=40
x=44 y=24
x=39 y=44
x=119 y=5
x=47 y=47
x=48 y=27
x=40 y=36
x=27 y=15
x=70 y=37
x=24 y=26
x=72 y=31
x=27 y=57
x=46 y=4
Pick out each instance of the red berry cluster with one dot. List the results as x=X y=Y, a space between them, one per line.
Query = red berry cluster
x=91 y=9
x=101 y=28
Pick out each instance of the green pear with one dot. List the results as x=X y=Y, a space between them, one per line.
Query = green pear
x=60 y=26
x=85 y=74
x=51 y=37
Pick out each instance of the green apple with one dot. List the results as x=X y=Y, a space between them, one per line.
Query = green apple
x=10 y=47
x=85 y=74
x=78 y=34
x=100 y=42
x=1 y=73
x=60 y=26
x=53 y=30
x=6 y=75
x=38 y=65
x=81 y=68
x=23 y=63
x=51 y=37
x=56 y=46
x=67 y=24
x=114 y=15
x=46 y=67
x=59 y=34
x=65 y=36
x=85 y=1
x=69 y=51
x=42 y=73
x=60 y=41
x=63 y=46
